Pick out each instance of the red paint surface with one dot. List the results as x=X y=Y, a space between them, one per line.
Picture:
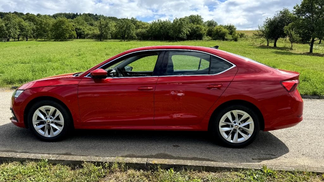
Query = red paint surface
x=167 y=102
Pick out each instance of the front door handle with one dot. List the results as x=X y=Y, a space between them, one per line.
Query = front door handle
x=145 y=88
x=217 y=86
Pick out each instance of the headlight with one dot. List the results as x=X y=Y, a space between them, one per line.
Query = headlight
x=17 y=93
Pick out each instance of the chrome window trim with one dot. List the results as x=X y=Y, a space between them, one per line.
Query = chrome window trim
x=233 y=65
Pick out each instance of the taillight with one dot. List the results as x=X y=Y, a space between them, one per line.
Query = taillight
x=290 y=85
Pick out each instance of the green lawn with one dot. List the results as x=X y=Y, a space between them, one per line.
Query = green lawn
x=44 y=171
x=25 y=61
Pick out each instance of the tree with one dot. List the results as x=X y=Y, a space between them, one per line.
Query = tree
x=142 y=34
x=220 y=33
x=85 y=27
x=290 y=30
x=3 y=30
x=276 y=25
x=211 y=24
x=235 y=36
x=62 y=29
x=196 y=29
x=27 y=29
x=33 y=20
x=12 y=26
x=43 y=27
x=125 y=29
x=310 y=22
x=139 y=24
x=195 y=19
x=81 y=27
x=232 y=35
x=159 y=30
x=231 y=29
x=106 y=28
x=20 y=23
x=264 y=32
x=179 y=29
x=196 y=32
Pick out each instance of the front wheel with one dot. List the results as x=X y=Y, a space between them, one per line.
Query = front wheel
x=235 y=126
x=49 y=121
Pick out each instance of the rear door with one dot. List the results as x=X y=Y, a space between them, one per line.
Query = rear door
x=190 y=85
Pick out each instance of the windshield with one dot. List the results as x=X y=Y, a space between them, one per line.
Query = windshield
x=77 y=74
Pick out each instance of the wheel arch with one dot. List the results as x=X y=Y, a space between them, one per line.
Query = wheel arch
x=37 y=99
x=238 y=102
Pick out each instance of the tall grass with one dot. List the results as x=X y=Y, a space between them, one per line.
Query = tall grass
x=21 y=62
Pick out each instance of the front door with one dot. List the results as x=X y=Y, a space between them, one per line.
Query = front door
x=125 y=98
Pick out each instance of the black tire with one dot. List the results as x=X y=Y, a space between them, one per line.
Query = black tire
x=57 y=128
x=246 y=133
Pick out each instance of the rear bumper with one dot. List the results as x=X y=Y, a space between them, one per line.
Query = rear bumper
x=280 y=124
x=289 y=114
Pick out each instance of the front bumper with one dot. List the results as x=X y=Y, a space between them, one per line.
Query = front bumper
x=14 y=120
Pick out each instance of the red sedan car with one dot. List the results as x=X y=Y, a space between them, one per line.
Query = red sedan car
x=164 y=88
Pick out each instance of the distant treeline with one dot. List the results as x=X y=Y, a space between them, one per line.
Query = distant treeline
x=64 y=26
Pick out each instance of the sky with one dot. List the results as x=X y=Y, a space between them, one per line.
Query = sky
x=244 y=14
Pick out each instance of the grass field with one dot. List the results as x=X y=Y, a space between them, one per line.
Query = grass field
x=25 y=61
x=247 y=32
x=44 y=171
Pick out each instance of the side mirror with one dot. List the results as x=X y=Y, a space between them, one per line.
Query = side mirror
x=98 y=74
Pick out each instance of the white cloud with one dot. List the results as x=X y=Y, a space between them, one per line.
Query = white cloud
x=244 y=14
x=248 y=14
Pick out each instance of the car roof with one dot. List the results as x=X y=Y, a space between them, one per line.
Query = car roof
x=177 y=47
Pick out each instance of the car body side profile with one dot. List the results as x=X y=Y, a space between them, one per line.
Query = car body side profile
x=164 y=88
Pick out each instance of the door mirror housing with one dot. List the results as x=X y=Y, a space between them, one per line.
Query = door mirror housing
x=98 y=74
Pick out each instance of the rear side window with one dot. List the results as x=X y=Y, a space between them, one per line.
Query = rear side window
x=218 y=65
x=187 y=63
x=194 y=63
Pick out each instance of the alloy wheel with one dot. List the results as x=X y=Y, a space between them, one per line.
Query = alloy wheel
x=48 y=121
x=236 y=126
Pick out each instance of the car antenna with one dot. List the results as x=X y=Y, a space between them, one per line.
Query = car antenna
x=216 y=47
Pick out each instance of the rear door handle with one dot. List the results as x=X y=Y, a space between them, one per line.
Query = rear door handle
x=218 y=86
x=145 y=88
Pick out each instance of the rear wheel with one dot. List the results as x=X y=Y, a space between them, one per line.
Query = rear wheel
x=235 y=126
x=49 y=120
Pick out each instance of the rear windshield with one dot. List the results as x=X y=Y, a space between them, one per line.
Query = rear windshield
x=248 y=59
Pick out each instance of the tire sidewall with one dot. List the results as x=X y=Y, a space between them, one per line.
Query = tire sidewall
x=66 y=116
x=217 y=134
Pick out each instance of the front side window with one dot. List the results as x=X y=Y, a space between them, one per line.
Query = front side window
x=146 y=63
x=194 y=63
x=140 y=64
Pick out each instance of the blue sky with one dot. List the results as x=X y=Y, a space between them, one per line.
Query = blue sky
x=244 y=14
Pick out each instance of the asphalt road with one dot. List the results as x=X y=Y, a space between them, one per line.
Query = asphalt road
x=302 y=145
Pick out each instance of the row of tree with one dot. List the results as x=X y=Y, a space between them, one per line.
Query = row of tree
x=65 y=26
x=305 y=24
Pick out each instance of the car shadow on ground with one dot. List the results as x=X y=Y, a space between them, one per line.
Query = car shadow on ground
x=142 y=144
